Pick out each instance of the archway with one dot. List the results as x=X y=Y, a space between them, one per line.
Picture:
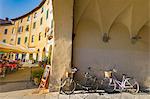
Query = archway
x=37 y=55
x=43 y=53
x=49 y=55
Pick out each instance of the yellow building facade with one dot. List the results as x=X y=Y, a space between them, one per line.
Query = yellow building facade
x=33 y=31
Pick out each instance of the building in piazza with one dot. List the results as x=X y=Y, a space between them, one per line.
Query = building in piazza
x=102 y=34
x=32 y=31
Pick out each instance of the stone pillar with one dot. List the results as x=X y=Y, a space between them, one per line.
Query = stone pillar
x=34 y=56
x=20 y=56
x=47 y=50
x=14 y=55
x=62 y=52
x=40 y=56
x=27 y=56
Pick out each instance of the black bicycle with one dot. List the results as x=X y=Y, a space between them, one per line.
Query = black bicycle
x=69 y=85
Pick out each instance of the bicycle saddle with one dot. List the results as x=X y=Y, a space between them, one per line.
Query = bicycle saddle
x=124 y=74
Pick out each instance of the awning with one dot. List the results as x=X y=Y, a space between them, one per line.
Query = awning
x=25 y=49
x=4 y=47
x=1 y=52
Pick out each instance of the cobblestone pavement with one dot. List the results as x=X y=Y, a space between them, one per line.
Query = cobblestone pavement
x=26 y=94
x=18 y=80
x=13 y=86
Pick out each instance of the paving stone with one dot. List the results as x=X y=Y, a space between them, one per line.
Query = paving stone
x=34 y=97
x=142 y=97
x=92 y=96
x=12 y=97
x=104 y=96
x=79 y=95
x=74 y=97
x=127 y=96
x=51 y=96
x=27 y=94
x=2 y=97
x=115 y=96
x=60 y=96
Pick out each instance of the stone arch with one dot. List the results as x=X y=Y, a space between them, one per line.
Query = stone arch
x=43 y=53
x=81 y=13
x=37 y=54
x=122 y=24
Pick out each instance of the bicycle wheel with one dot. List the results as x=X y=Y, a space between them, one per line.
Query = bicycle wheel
x=94 y=86
x=109 y=85
x=131 y=85
x=68 y=86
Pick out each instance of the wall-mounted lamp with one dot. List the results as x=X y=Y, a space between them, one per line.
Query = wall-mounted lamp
x=135 y=38
x=106 y=38
x=49 y=37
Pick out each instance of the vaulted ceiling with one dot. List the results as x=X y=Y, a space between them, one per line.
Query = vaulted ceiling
x=133 y=14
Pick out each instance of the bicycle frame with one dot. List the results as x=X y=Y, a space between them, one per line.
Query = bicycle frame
x=120 y=84
x=88 y=78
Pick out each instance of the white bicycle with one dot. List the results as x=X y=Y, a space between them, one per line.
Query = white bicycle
x=126 y=84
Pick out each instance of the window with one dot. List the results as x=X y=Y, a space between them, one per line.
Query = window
x=47 y=2
x=39 y=36
x=42 y=10
x=12 y=39
x=34 y=25
x=35 y=15
x=19 y=39
x=28 y=19
x=45 y=34
x=41 y=21
x=5 y=32
x=20 y=29
x=52 y=22
x=25 y=40
x=32 y=38
x=4 y=40
x=12 y=30
x=21 y=20
x=27 y=28
x=47 y=12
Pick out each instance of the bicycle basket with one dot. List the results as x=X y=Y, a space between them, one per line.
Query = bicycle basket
x=108 y=74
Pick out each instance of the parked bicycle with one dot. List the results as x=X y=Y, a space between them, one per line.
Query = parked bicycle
x=113 y=84
x=69 y=85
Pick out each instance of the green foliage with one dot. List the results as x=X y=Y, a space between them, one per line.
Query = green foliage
x=37 y=73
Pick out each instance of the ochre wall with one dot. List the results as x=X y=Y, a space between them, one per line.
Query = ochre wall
x=121 y=20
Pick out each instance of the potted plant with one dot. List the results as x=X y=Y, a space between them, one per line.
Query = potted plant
x=37 y=75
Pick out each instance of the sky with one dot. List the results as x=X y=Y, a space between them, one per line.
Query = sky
x=15 y=8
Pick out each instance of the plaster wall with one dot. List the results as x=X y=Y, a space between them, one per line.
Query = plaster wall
x=121 y=20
